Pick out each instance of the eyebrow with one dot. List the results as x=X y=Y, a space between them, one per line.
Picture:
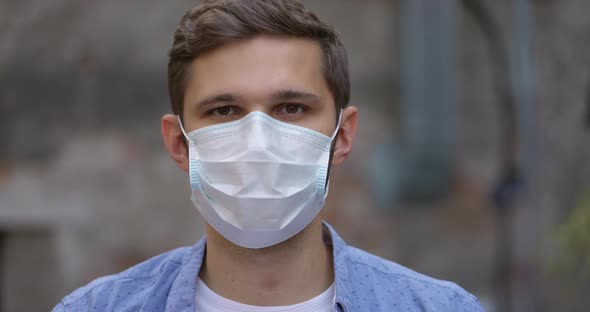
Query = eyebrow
x=281 y=95
x=284 y=95
x=223 y=98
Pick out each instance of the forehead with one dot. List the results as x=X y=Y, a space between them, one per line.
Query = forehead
x=258 y=65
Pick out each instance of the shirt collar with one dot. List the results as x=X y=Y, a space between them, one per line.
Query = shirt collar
x=184 y=284
x=341 y=271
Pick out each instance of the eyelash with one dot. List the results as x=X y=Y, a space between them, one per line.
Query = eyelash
x=300 y=106
x=212 y=112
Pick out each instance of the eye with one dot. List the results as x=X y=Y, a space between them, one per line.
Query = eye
x=223 y=111
x=292 y=109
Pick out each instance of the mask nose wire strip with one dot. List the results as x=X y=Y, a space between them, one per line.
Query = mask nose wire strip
x=333 y=135
x=332 y=139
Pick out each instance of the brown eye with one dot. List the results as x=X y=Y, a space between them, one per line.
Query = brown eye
x=223 y=111
x=291 y=112
x=292 y=108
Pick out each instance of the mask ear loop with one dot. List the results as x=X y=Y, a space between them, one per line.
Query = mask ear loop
x=337 y=125
x=182 y=128
x=333 y=145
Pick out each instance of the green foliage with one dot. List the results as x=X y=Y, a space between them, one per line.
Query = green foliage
x=573 y=238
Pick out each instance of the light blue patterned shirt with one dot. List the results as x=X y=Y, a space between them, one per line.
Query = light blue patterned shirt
x=364 y=282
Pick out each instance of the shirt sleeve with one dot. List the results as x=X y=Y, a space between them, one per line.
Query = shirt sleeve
x=470 y=303
x=59 y=308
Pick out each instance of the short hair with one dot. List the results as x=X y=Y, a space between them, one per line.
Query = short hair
x=217 y=22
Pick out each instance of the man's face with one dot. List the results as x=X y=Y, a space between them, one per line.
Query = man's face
x=280 y=76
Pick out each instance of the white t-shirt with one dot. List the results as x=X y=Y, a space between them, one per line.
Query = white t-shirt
x=209 y=301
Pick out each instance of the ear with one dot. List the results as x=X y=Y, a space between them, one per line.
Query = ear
x=345 y=136
x=174 y=141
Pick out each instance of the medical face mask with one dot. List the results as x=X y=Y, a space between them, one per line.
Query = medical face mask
x=258 y=181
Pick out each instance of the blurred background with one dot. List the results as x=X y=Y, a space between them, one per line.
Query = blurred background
x=472 y=161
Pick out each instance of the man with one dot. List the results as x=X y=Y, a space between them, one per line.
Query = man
x=260 y=91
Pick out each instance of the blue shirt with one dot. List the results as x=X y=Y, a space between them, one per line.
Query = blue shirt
x=363 y=282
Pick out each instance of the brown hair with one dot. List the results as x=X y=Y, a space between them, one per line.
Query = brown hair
x=215 y=22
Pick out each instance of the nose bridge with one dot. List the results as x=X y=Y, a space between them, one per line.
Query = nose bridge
x=257 y=141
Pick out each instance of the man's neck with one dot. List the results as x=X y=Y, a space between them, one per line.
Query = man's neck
x=291 y=272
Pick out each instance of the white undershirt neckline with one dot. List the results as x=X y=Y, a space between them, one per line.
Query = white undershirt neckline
x=208 y=301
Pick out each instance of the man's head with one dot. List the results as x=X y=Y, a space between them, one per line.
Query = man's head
x=232 y=57
x=215 y=23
